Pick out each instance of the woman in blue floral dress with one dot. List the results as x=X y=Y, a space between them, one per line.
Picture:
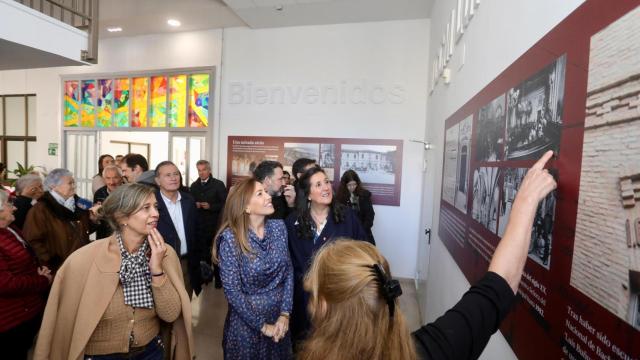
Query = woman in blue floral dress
x=256 y=274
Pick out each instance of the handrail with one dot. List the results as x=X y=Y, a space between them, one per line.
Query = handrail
x=83 y=14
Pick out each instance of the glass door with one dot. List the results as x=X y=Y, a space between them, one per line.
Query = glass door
x=81 y=158
x=186 y=149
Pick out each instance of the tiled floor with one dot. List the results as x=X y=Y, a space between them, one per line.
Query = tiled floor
x=210 y=308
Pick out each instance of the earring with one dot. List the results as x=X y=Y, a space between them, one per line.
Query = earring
x=124 y=225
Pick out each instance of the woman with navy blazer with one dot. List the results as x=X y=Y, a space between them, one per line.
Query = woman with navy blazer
x=23 y=287
x=318 y=219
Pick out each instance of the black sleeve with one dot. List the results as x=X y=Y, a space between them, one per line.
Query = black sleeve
x=366 y=211
x=464 y=330
x=221 y=197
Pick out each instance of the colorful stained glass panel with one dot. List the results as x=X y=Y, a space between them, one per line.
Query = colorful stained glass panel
x=158 y=111
x=104 y=101
x=139 y=111
x=71 y=103
x=199 y=100
x=121 y=103
x=177 y=100
x=88 y=115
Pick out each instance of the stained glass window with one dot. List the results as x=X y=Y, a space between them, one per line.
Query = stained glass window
x=88 y=115
x=159 y=101
x=199 y=100
x=139 y=110
x=104 y=101
x=177 y=100
x=71 y=103
x=121 y=103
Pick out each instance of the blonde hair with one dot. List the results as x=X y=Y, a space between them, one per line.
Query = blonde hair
x=235 y=216
x=124 y=201
x=349 y=316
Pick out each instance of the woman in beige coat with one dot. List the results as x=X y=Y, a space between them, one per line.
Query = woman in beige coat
x=117 y=296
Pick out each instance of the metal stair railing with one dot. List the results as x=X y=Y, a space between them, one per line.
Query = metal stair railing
x=81 y=14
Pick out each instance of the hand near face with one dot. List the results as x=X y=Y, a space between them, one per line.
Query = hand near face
x=158 y=250
x=290 y=195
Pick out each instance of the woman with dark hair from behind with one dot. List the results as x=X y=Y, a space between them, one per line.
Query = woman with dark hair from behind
x=318 y=220
x=103 y=161
x=354 y=305
x=352 y=194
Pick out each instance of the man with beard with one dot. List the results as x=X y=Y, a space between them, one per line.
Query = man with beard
x=283 y=197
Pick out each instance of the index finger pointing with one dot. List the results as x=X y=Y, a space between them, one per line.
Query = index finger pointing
x=543 y=160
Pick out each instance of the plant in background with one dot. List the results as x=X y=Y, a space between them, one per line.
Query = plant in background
x=24 y=170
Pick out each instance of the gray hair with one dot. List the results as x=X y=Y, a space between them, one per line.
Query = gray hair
x=55 y=178
x=26 y=180
x=112 y=167
x=204 y=162
x=4 y=197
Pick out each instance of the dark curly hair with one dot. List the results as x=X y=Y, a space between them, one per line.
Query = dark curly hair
x=306 y=225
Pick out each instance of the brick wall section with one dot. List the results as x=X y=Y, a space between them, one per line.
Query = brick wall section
x=602 y=259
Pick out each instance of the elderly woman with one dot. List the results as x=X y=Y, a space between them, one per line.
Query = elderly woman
x=55 y=226
x=23 y=287
x=319 y=219
x=28 y=190
x=114 y=298
x=256 y=275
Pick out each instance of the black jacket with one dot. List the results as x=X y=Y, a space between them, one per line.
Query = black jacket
x=170 y=235
x=215 y=193
x=104 y=230
x=364 y=210
x=23 y=205
x=280 y=208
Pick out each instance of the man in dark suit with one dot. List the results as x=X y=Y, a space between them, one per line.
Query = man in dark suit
x=210 y=195
x=283 y=197
x=177 y=223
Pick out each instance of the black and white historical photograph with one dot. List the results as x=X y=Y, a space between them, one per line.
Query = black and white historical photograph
x=490 y=131
x=486 y=194
x=327 y=155
x=295 y=151
x=534 y=116
x=462 y=172
x=541 y=235
x=450 y=164
x=375 y=164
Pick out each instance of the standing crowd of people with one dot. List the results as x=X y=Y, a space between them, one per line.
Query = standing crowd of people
x=297 y=263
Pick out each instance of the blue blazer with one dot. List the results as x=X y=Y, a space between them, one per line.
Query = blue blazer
x=170 y=235
x=302 y=252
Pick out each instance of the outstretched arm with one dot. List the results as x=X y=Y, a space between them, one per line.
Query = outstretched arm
x=511 y=254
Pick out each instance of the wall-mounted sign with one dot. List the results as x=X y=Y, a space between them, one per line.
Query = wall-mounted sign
x=577 y=92
x=377 y=162
x=52 y=149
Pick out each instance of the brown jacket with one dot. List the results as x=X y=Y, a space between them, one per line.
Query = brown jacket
x=54 y=232
x=81 y=292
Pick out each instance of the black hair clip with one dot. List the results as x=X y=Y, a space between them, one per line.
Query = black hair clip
x=390 y=288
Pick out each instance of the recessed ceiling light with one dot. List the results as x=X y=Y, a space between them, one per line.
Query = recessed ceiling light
x=114 y=29
x=173 y=22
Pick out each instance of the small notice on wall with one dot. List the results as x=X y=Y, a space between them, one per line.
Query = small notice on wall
x=53 y=149
x=377 y=162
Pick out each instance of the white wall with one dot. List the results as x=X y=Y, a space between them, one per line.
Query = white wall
x=390 y=57
x=126 y=54
x=500 y=32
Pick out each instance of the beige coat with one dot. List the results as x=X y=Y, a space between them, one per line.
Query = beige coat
x=81 y=292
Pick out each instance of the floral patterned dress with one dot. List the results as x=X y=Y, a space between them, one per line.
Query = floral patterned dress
x=258 y=287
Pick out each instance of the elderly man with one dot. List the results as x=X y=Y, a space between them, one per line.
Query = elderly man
x=283 y=197
x=177 y=224
x=28 y=190
x=112 y=178
x=210 y=195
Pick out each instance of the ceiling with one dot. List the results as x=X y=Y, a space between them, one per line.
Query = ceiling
x=17 y=56
x=140 y=17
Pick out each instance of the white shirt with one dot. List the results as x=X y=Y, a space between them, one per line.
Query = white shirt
x=175 y=211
